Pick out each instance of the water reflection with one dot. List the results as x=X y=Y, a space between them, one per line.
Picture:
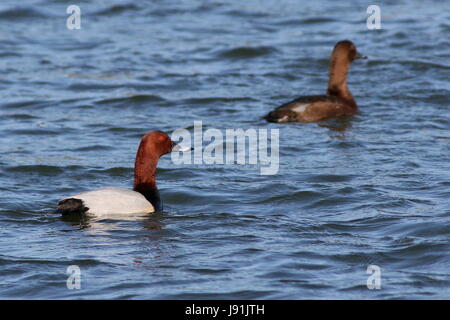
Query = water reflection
x=92 y=224
x=79 y=221
x=338 y=126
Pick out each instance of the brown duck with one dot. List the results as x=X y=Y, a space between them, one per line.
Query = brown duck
x=337 y=102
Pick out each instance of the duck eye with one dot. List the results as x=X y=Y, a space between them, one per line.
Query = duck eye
x=352 y=54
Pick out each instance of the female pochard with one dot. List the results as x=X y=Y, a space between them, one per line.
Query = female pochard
x=144 y=198
x=337 y=102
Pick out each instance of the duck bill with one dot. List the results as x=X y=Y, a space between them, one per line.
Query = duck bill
x=180 y=148
x=360 y=56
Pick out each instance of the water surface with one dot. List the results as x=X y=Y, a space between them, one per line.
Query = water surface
x=372 y=189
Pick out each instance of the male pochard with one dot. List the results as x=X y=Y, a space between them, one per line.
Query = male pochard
x=337 y=102
x=144 y=198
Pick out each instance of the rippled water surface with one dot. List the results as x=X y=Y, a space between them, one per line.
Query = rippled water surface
x=372 y=189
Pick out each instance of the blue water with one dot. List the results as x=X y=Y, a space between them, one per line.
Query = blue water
x=372 y=189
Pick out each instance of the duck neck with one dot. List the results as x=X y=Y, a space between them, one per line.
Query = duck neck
x=337 y=83
x=145 y=179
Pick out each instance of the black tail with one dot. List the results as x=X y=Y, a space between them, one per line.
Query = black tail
x=280 y=116
x=71 y=206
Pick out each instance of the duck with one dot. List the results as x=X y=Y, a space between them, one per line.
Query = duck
x=337 y=102
x=143 y=199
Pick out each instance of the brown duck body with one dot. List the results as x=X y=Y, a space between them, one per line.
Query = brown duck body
x=311 y=109
x=337 y=102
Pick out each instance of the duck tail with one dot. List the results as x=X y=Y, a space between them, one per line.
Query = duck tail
x=71 y=206
x=280 y=116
